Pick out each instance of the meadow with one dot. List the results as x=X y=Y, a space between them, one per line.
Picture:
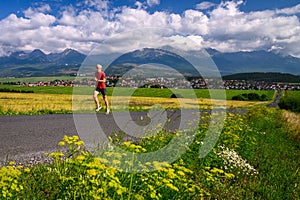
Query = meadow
x=256 y=157
x=142 y=92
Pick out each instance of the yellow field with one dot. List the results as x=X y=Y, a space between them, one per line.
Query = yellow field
x=31 y=102
x=20 y=102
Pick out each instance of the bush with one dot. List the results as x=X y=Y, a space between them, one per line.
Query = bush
x=250 y=97
x=176 y=96
x=290 y=103
x=239 y=98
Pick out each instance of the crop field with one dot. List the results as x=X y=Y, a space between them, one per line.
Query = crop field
x=43 y=100
x=32 y=103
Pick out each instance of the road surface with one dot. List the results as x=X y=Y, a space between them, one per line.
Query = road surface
x=27 y=136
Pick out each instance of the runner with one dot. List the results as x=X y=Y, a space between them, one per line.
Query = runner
x=100 y=79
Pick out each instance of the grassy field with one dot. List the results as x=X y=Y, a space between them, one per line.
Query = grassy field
x=254 y=158
x=293 y=94
x=143 y=92
x=36 y=79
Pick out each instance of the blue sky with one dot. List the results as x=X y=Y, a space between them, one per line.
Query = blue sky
x=177 y=6
x=228 y=25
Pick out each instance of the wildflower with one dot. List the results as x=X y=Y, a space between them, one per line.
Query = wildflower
x=62 y=143
x=79 y=143
x=80 y=158
x=181 y=173
x=27 y=170
x=234 y=161
x=229 y=175
x=172 y=187
x=92 y=172
x=127 y=143
x=56 y=155
x=19 y=167
x=216 y=170
x=12 y=163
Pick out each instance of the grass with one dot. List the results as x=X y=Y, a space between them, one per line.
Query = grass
x=141 y=92
x=254 y=158
x=36 y=79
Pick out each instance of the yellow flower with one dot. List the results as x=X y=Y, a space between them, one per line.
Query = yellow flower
x=229 y=175
x=80 y=158
x=181 y=173
x=19 y=167
x=79 y=143
x=172 y=187
x=92 y=172
x=12 y=163
x=27 y=170
x=127 y=143
x=62 y=143
x=139 y=197
x=216 y=170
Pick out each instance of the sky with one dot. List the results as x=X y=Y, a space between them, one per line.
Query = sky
x=227 y=26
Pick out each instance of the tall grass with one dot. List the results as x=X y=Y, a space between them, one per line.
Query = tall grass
x=293 y=123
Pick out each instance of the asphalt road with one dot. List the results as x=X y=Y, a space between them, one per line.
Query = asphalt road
x=29 y=136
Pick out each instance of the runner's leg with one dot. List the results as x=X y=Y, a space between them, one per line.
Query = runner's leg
x=96 y=98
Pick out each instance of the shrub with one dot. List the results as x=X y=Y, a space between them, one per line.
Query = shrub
x=290 y=103
x=250 y=97
x=176 y=96
x=239 y=98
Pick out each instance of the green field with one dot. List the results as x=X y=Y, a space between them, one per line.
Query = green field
x=36 y=79
x=140 y=92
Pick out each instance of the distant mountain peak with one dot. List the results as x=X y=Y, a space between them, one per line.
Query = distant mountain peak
x=37 y=52
x=69 y=50
x=37 y=63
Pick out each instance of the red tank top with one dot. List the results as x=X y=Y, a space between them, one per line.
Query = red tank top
x=100 y=76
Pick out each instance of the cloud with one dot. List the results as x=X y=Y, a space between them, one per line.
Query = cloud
x=41 y=9
x=153 y=2
x=224 y=27
x=205 y=5
x=289 y=11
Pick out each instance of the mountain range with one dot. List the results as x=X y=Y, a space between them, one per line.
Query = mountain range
x=37 y=63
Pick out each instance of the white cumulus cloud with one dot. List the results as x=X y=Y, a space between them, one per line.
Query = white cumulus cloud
x=205 y=5
x=153 y=2
x=224 y=27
